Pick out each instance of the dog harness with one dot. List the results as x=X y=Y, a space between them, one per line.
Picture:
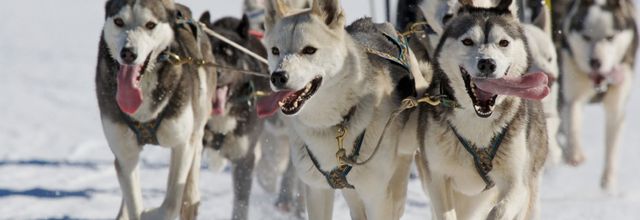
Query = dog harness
x=483 y=157
x=337 y=177
x=146 y=132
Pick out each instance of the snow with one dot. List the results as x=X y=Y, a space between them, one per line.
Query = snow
x=55 y=163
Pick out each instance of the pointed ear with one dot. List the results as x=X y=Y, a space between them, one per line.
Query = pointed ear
x=205 y=17
x=543 y=20
x=330 y=11
x=465 y=3
x=170 y=4
x=504 y=5
x=275 y=10
x=243 y=27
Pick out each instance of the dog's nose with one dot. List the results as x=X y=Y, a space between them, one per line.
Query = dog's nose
x=279 y=79
x=595 y=64
x=128 y=56
x=487 y=66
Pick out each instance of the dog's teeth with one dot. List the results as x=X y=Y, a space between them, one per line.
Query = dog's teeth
x=281 y=104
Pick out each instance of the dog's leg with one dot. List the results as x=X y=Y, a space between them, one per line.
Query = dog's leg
x=191 y=199
x=285 y=201
x=399 y=183
x=441 y=197
x=356 y=205
x=512 y=199
x=614 y=105
x=122 y=214
x=574 y=155
x=181 y=163
x=127 y=170
x=242 y=179
x=319 y=203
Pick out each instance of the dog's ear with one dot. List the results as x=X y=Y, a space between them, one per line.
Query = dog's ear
x=330 y=11
x=275 y=10
x=205 y=17
x=508 y=7
x=243 y=27
x=170 y=4
x=543 y=20
x=465 y=3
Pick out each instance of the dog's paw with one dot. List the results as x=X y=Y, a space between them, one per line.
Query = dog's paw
x=574 y=158
x=608 y=183
x=154 y=214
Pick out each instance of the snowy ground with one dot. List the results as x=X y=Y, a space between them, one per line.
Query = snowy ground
x=55 y=164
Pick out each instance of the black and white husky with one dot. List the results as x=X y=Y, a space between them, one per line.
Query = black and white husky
x=146 y=97
x=598 y=57
x=483 y=159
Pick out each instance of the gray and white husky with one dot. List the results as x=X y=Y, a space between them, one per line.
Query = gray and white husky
x=598 y=58
x=483 y=160
x=145 y=99
x=543 y=56
x=325 y=81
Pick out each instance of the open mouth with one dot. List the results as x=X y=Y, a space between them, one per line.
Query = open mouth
x=483 y=101
x=129 y=91
x=293 y=101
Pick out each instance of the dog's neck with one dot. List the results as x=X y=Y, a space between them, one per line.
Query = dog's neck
x=477 y=130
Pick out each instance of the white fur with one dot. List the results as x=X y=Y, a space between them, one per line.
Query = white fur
x=381 y=184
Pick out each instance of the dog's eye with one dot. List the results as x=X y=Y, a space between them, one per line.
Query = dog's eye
x=467 y=42
x=610 y=38
x=119 y=22
x=309 y=50
x=150 y=25
x=275 y=51
x=586 y=38
x=504 y=43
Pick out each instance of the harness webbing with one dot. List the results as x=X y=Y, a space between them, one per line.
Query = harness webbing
x=146 y=132
x=483 y=157
x=337 y=178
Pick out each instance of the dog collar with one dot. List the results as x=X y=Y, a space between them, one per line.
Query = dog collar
x=483 y=157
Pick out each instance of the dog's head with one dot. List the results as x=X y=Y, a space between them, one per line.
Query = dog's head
x=135 y=33
x=599 y=33
x=306 y=50
x=484 y=53
x=231 y=80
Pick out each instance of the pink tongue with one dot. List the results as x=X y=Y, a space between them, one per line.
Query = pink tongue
x=129 y=94
x=221 y=100
x=529 y=86
x=615 y=77
x=267 y=106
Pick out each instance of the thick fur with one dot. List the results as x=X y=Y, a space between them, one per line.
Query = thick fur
x=447 y=169
x=604 y=31
x=237 y=130
x=351 y=78
x=181 y=94
x=537 y=28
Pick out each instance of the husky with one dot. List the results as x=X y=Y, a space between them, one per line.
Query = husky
x=336 y=98
x=144 y=98
x=537 y=28
x=482 y=158
x=234 y=129
x=598 y=60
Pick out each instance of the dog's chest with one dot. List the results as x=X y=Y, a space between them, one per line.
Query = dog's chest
x=447 y=157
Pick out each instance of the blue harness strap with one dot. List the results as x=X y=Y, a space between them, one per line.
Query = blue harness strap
x=337 y=177
x=483 y=157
